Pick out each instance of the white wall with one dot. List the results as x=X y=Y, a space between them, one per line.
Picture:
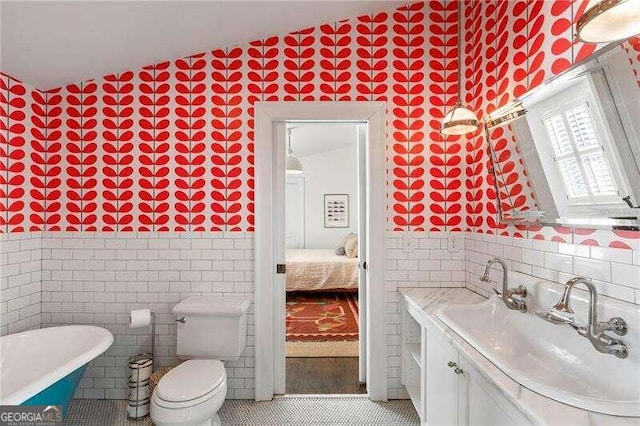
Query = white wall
x=615 y=272
x=431 y=264
x=20 y=282
x=332 y=172
x=99 y=277
x=328 y=153
x=96 y=278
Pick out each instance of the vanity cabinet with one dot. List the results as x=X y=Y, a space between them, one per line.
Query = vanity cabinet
x=443 y=387
x=446 y=389
x=484 y=404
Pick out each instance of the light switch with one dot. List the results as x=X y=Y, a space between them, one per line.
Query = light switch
x=453 y=243
x=408 y=242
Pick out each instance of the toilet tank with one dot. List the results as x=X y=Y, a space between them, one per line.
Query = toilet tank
x=211 y=327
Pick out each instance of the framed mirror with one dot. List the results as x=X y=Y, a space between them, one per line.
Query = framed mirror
x=568 y=152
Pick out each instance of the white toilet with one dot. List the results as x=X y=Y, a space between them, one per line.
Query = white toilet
x=210 y=330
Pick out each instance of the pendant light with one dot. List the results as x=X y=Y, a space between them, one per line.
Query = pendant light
x=609 y=20
x=460 y=120
x=294 y=166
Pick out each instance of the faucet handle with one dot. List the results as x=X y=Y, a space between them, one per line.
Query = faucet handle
x=615 y=324
x=611 y=345
x=520 y=291
x=621 y=351
x=618 y=326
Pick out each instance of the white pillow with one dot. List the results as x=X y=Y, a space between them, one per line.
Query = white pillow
x=351 y=247
x=347 y=238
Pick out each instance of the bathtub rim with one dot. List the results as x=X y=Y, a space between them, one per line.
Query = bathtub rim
x=34 y=387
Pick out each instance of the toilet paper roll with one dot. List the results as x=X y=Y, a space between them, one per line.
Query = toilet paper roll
x=139 y=393
x=140 y=318
x=138 y=409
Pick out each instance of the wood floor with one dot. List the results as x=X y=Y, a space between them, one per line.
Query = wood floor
x=323 y=376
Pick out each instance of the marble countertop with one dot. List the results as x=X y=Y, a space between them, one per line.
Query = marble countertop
x=424 y=303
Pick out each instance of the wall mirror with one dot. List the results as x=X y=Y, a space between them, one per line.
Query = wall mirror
x=568 y=152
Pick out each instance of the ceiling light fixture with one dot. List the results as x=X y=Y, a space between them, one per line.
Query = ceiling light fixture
x=460 y=120
x=506 y=114
x=609 y=20
x=294 y=166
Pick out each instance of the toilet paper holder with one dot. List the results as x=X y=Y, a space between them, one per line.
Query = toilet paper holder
x=153 y=338
x=153 y=333
x=141 y=367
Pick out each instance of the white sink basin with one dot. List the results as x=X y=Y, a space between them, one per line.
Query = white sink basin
x=553 y=360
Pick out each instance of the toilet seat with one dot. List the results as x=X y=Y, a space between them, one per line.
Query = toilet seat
x=191 y=383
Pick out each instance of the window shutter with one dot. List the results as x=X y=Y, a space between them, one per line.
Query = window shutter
x=578 y=153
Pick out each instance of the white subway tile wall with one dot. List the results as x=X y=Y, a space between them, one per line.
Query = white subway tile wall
x=431 y=264
x=98 y=278
x=20 y=282
x=615 y=272
x=55 y=278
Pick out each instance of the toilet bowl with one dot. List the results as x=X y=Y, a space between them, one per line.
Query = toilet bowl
x=209 y=330
x=190 y=394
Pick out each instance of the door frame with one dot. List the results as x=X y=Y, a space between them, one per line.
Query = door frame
x=269 y=185
x=362 y=139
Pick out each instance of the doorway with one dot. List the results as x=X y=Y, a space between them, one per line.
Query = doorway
x=325 y=202
x=270 y=239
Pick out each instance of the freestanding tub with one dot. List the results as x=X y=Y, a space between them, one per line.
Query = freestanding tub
x=44 y=367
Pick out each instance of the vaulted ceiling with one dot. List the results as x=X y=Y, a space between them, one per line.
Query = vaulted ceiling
x=50 y=43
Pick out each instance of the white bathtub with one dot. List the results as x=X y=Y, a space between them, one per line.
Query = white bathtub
x=43 y=367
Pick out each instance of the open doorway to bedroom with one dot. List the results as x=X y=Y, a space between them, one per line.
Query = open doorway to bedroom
x=324 y=215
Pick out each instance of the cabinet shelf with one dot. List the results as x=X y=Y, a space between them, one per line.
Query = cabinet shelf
x=414 y=350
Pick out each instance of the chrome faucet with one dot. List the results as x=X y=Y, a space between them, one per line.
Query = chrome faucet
x=561 y=313
x=507 y=293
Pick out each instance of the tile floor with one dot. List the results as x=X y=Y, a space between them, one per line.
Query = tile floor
x=281 y=411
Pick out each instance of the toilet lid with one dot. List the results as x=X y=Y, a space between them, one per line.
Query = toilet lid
x=191 y=379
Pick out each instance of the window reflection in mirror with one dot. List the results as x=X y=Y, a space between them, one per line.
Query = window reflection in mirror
x=575 y=156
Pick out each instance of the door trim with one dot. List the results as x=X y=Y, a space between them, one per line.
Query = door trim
x=269 y=322
x=362 y=141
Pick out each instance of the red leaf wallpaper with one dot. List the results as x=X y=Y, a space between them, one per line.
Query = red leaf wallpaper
x=407 y=115
x=45 y=164
x=80 y=150
x=154 y=144
x=524 y=43
x=13 y=134
x=169 y=147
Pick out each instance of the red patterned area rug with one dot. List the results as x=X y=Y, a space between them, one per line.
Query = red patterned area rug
x=322 y=317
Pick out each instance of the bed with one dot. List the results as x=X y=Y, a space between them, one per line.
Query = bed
x=320 y=269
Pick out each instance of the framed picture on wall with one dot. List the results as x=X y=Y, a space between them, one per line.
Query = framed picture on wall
x=336 y=210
